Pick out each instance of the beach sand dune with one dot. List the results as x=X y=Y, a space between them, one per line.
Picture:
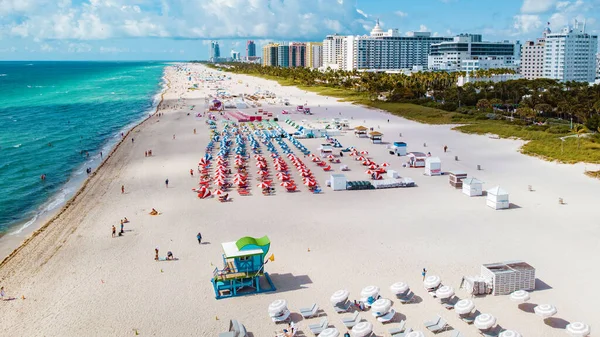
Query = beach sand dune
x=77 y=280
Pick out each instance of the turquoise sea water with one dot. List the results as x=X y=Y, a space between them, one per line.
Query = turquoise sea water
x=52 y=115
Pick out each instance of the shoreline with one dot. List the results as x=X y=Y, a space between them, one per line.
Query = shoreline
x=30 y=231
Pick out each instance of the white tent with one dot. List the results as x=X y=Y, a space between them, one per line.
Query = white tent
x=433 y=166
x=472 y=187
x=497 y=198
x=338 y=182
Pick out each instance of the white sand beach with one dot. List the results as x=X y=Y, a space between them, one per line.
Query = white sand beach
x=78 y=280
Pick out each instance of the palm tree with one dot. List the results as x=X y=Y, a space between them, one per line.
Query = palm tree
x=579 y=130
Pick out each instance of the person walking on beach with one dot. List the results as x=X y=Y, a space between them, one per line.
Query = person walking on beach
x=132 y=140
x=173 y=137
x=100 y=154
x=424 y=273
x=167 y=183
x=122 y=189
x=445 y=148
x=199 y=237
x=156 y=253
x=192 y=172
x=114 y=231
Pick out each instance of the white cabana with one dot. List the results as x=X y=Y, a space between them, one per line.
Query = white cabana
x=497 y=198
x=444 y=292
x=381 y=307
x=369 y=291
x=399 y=288
x=472 y=187
x=329 y=332
x=362 y=329
x=433 y=166
x=338 y=182
x=520 y=296
x=339 y=296
x=484 y=321
x=509 y=333
x=432 y=281
x=578 y=329
x=464 y=306
x=545 y=310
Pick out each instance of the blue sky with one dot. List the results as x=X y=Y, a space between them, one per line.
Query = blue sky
x=182 y=29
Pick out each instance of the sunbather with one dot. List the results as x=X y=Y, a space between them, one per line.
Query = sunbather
x=154 y=212
x=169 y=255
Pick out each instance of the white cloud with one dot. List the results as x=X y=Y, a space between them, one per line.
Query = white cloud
x=527 y=23
x=537 y=6
x=423 y=28
x=79 y=48
x=44 y=47
x=216 y=19
x=401 y=14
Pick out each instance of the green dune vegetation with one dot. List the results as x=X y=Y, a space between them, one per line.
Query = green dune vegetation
x=559 y=121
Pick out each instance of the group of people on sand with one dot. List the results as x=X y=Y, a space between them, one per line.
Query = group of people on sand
x=148 y=153
x=122 y=231
x=169 y=255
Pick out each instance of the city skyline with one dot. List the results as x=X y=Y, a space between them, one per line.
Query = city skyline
x=153 y=29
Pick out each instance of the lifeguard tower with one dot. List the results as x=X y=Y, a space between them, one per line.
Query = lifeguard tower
x=244 y=263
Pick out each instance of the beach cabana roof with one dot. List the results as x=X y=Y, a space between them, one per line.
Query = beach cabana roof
x=471 y=181
x=496 y=191
x=246 y=246
x=375 y=133
x=360 y=128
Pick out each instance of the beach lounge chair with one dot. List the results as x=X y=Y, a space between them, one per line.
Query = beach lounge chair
x=449 y=304
x=352 y=320
x=408 y=298
x=342 y=308
x=387 y=317
x=494 y=332
x=316 y=329
x=402 y=334
x=457 y=333
x=441 y=326
x=309 y=312
x=433 y=322
x=236 y=329
x=469 y=319
x=399 y=329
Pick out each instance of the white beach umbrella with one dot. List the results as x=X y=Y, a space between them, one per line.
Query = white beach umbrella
x=362 y=329
x=432 y=281
x=339 y=296
x=381 y=306
x=444 y=292
x=415 y=333
x=520 y=296
x=509 y=333
x=545 y=310
x=329 y=332
x=484 y=321
x=277 y=306
x=369 y=291
x=464 y=306
x=578 y=329
x=399 y=288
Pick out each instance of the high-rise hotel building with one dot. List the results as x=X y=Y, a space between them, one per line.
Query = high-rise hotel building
x=270 y=55
x=533 y=57
x=570 y=55
x=314 y=55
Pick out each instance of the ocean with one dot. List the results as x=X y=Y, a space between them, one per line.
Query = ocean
x=55 y=119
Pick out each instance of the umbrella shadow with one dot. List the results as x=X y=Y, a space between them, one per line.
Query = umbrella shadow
x=557 y=323
x=527 y=307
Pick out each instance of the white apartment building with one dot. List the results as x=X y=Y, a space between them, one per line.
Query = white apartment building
x=381 y=50
x=533 y=57
x=571 y=55
x=332 y=51
x=467 y=52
